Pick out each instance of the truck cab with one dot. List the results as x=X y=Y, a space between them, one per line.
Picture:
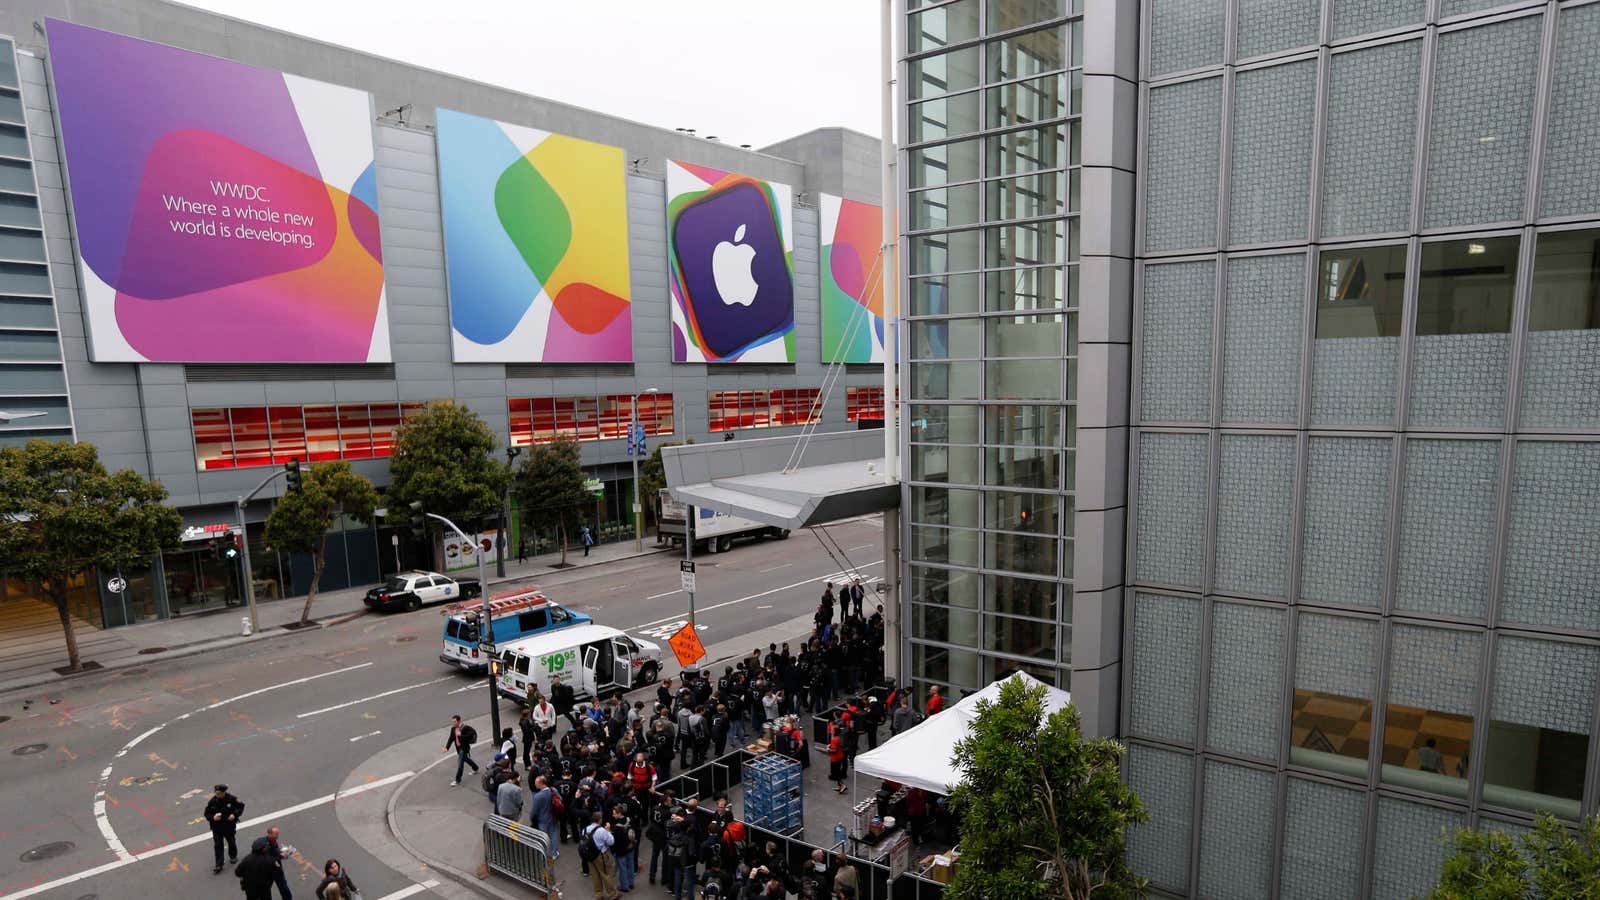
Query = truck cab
x=515 y=615
x=592 y=659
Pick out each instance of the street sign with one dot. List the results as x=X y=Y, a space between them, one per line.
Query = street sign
x=594 y=485
x=686 y=574
x=117 y=585
x=686 y=644
x=899 y=856
x=394 y=540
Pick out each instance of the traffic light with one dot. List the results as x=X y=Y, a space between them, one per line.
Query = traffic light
x=419 y=522
x=292 y=467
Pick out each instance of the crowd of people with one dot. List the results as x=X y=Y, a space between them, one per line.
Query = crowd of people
x=597 y=785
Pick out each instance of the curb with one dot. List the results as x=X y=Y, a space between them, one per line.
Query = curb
x=182 y=651
x=467 y=880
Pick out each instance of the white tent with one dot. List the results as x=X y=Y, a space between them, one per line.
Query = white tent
x=921 y=756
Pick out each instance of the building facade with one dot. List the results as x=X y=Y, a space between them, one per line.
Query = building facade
x=211 y=431
x=1337 y=448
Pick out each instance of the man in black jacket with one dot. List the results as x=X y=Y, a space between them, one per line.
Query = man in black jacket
x=222 y=814
x=459 y=739
x=258 y=872
x=562 y=698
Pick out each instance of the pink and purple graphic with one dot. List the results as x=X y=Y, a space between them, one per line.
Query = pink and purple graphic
x=224 y=213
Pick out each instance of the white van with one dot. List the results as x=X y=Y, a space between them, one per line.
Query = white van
x=591 y=659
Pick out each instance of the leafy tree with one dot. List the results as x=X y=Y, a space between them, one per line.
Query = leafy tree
x=61 y=512
x=549 y=488
x=1044 y=812
x=652 y=478
x=300 y=520
x=444 y=458
x=1552 y=862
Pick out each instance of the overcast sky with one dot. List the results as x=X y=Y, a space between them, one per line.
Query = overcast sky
x=748 y=71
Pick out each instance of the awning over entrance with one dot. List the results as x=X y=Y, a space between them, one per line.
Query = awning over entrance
x=841 y=477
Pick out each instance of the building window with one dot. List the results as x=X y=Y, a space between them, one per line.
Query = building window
x=246 y=436
x=1356 y=357
x=1563 y=332
x=540 y=420
x=1539 y=725
x=733 y=410
x=1335 y=668
x=863 y=404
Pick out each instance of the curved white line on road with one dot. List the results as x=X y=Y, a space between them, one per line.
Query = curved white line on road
x=103 y=822
x=206 y=836
x=347 y=703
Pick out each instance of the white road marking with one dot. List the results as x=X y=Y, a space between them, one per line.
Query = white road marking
x=347 y=703
x=475 y=684
x=705 y=609
x=367 y=735
x=101 y=821
x=666 y=594
x=190 y=841
x=410 y=891
x=763 y=606
x=774 y=568
x=862 y=547
x=662 y=632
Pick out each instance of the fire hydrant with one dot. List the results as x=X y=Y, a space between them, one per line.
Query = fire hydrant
x=244 y=626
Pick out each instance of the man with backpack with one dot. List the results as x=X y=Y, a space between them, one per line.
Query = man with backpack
x=719 y=729
x=546 y=809
x=699 y=734
x=594 y=848
x=567 y=789
x=461 y=738
x=657 y=820
x=681 y=848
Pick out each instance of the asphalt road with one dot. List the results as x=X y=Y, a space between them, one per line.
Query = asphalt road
x=285 y=722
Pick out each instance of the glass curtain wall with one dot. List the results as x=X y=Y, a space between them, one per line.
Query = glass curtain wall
x=994 y=99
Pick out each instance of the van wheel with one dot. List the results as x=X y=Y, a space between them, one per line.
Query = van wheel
x=413 y=604
x=780 y=533
x=648 y=673
x=724 y=544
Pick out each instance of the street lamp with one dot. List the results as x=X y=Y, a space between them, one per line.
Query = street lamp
x=486 y=633
x=505 y=514
x=633 y=441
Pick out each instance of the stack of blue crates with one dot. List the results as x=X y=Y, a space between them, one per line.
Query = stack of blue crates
x=774 y=793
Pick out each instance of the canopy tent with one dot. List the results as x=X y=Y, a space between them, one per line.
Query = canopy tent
x=921 y=756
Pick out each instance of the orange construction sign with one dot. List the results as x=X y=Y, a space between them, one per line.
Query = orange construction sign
x=686 y=645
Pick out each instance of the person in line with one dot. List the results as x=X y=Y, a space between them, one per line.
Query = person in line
x=542 y=813
x=657 y=820
x=681 y=847
x=222 y=814
x=460 y=739
x=258 y=871
x=935 y=701
x=530 y=736
x=562 y=698
x=544 y=720
x=596 y=845
x=280 y=851
x=508 y=798
x=334 y=877
x=904 y=717
x=836 y=764
x=508 y=745
x=625 y=847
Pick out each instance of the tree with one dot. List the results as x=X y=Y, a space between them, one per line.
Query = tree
x=444 y=458
x=1044 y=812
x=1552 y=862
x=300 y=520
x=652 y=477
x=549 y=488
x=61 y=512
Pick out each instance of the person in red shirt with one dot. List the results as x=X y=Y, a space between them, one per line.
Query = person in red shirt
x=935 y=702
x=642 y=775
x=836 y=763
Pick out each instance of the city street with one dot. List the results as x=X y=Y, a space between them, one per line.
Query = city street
x=107 y=774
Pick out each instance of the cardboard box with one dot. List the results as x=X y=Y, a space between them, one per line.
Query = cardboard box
x=942 y=870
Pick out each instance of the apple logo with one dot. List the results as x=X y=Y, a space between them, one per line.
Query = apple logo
x=730 y=270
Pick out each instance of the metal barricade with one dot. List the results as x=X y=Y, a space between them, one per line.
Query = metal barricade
x=520 y=852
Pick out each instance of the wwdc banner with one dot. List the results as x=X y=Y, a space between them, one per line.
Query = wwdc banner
x=535 y=242
x=224 y=213
x=852 y=281
x=730 y=244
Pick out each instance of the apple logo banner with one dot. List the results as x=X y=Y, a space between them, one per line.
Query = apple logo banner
x=732 y=268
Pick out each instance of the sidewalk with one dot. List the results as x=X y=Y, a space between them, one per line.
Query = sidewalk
x=176 y=638
x=442 y=826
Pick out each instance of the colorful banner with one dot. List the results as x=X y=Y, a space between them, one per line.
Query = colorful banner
x=730 y=242
x=536 y=244
x=852 y=281
x=224 y=213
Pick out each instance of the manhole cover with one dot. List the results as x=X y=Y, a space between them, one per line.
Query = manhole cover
x=47 y=851
x=5 y=718
x=405 y=639
x=150 y=650
x=29 y=749
x=130 y=673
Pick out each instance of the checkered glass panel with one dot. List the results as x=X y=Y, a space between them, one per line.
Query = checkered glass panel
x=1165 y=782
x=1267 y=26
x=1445 y=571
x=1271 y=176
x=1371 y=138
x=1407 y=853
x=1244 y=712
x=1170 y=535
x=1572 y=143
x=1346 y=520
x=1182 y=148
x=1552 y=565
x=1322 y=841
x=1165 y=667
x=1175 y=372
x=1255 y=500
x=1544 y=684
x=1357 y=17
x=1185 y=34
x=1262 y=325
x=1236 y=833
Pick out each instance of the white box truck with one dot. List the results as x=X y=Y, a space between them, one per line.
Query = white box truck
x=713 y=532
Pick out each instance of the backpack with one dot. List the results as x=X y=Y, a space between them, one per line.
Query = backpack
x=588 y=850
x=488 y=780
x=469 y=735
x=558 y=807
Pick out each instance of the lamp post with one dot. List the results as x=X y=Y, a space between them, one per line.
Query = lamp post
x=486 y=633
x=638 y=511
x=505 y=515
